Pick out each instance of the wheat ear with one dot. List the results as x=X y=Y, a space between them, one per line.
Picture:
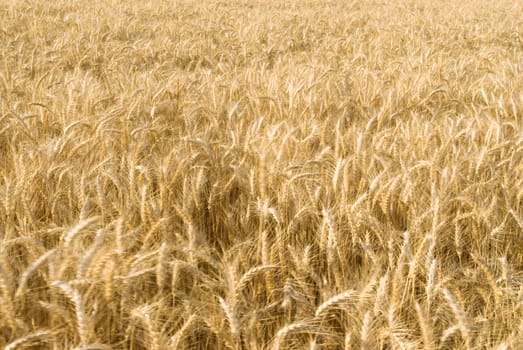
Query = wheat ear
x=31 y=339
x=249 y=276
x=347 y=296
x=426 y=328
x=175 y=340
x=8 y=308
x=83 y=322
x=300 y=326
x=29 y=271
x=231 y=316
x=94 y=347
x=71 y=233
x=461 y=317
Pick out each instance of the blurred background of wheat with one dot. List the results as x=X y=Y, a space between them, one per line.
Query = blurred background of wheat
x=261 y=175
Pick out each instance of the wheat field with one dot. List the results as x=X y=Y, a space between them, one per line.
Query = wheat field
x=253 y=174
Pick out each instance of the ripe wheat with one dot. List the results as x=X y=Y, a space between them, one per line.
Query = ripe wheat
x=261 y=174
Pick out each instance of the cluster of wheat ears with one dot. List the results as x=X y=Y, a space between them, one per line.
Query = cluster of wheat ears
x=252 y=174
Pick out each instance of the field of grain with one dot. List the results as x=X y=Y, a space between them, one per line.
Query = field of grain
x=258 y=174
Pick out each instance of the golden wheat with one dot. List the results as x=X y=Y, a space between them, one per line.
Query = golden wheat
x=261 y=174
